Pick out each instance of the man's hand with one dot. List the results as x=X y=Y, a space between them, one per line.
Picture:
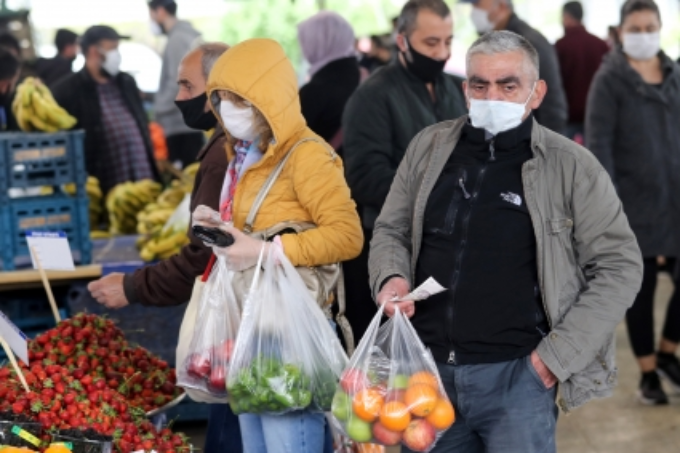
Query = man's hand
x=108 y=291
x=549 y=379
x=396 y=287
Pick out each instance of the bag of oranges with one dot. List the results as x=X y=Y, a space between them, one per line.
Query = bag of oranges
x=391 y=392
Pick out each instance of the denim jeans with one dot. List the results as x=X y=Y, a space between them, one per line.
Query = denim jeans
x=224 y=434
x=296 y=432
x=500 y=408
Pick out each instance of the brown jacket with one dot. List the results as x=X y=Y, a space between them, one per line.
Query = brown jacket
x=171 y=281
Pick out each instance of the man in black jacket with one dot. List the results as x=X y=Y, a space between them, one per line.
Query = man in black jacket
x=489 y=15
x=107 y=104
x=384 y=115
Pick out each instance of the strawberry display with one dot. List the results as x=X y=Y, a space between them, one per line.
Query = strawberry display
x=84 y=375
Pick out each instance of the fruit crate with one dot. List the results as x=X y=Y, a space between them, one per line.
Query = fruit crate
x=48 y=213
x=33 y=159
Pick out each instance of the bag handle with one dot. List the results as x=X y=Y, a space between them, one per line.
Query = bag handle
x=269 y=183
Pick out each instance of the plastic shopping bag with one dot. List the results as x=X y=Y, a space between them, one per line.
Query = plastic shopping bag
x=287 y=357
x=206 y=363
x=391 y=392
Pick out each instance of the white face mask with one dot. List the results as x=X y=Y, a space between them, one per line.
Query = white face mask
x=240 y=122
x=497 y=116
x=155 y=28
x=480 y=19
x=641 y=46
x=112 y=60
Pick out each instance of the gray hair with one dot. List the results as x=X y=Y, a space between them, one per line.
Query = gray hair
x=497 y=42
x=210 y=53
x=409 y=13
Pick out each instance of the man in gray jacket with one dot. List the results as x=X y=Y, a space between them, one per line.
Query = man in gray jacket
x=488 y=15
x=183 y=142
x=525 y=230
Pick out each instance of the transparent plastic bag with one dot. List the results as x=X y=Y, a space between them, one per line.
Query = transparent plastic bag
x=206 y=363
x=391 y=392
x=287 y=357
x=181 y=217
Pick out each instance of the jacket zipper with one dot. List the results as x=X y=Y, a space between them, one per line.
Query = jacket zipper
x=463 y=243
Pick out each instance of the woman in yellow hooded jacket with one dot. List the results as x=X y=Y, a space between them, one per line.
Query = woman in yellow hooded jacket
x=253 y=91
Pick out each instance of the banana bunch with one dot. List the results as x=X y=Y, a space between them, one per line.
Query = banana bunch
x=126 y=200
x=36 y=110
x=164 y=244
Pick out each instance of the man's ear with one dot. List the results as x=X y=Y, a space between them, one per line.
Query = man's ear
x=465 y=93
x=401 y=42
x=539 y=94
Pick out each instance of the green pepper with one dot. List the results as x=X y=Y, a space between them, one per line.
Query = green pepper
x=304 y=398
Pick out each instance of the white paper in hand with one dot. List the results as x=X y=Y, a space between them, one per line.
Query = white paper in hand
x=14 y=337
x=428 y=289
x=52 y=249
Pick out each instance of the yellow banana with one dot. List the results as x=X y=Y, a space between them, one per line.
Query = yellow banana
x=100 y=234
x=168 y=254
x=41 y=125
x=162 y=246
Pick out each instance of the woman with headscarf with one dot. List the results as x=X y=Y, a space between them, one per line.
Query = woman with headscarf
x=327 y=42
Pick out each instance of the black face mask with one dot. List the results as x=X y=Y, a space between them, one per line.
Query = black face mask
x=194 y=114
x=425 y=68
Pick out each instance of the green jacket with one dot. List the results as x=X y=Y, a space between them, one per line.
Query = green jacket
x=589 y=262
x=380 y=120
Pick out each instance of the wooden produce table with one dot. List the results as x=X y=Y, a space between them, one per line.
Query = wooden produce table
x=118 y=254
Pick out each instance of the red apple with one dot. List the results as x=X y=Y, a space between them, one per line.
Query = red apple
x=199 y=366
x=384 y=436
x=353 y=381
x=419 y=435
x=395 y=395
x=218 y=380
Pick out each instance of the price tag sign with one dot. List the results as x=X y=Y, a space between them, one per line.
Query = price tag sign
x=14 y=337
x=52 y=249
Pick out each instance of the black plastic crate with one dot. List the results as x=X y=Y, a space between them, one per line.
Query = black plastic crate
x=40 y=159
x=49 y=213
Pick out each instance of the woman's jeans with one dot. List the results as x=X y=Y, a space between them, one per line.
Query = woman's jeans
x=224 y=434
x=296 y=432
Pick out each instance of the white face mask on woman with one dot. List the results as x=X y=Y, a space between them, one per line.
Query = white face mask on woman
x=240 y=122
x=641 y=46
x=497 y=116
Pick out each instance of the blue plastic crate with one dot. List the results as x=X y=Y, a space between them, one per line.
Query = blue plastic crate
x=40 y=159
x=50 y=213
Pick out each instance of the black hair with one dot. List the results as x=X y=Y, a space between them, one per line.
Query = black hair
x=633 y=6
x=409 y=13
x=64 y=38
x=9 y=64
x=574 y=9
x=169 y=5
x=8 y=41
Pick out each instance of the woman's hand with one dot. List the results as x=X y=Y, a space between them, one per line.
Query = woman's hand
x=244 y=253
x=207 y=217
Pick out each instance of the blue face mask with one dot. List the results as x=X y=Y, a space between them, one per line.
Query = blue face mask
x=497 y=116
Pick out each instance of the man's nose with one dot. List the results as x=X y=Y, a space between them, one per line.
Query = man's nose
x=494 y=93
x=443 y=52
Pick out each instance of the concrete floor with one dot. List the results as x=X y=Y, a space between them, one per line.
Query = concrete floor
x=615 y=425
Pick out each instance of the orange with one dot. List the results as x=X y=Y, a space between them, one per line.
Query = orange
x=421 y=399
x=395 y=416
x=424 y=377
x=443 y=415
x=367 y=404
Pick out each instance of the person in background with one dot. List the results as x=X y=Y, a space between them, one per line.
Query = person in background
x=327 y=43
x=525 y=230
x=11 y=44
x=170 y=282
x=107 y=104
x=183 y=142
x=10 y=68
x=379 y=55
x=632 y=127
x=613 y=37
x=51 y=70
x=382 y=117
x=488 y=15
x=580 y=54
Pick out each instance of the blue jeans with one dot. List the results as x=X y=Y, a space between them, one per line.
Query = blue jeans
x=224 y=434
x=500 y=408
x=296 y=432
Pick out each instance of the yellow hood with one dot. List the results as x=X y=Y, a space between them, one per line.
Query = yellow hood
x=259 y=71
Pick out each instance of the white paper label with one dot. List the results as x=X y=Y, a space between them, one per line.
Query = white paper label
x=14 y=337
x=428 y=289
x=52 y=249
